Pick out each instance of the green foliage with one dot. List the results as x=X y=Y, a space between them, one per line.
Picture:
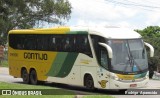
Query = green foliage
x=3 y=63
x=151 y=35
x=151 y=32
x=23 y=14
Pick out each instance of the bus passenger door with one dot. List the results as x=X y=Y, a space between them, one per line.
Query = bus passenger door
x=102 y=71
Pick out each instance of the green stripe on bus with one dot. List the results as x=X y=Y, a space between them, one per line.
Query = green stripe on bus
x=77 y=32
x=57 y=63
x=67 y=65
x=140 y=75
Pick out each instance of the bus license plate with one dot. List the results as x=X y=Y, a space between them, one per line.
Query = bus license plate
x=133 y=85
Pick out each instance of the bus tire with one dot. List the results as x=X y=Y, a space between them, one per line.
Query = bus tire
x=33 y=77
x=88 y=82
x=25 y=76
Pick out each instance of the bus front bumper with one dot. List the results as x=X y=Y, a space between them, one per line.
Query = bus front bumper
x=117 y=84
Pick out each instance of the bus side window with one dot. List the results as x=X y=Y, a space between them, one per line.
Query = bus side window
x=59 y=43
x=53 y=43
x=16 y=41
x=96 y=46
x=26 y=43
x=67 y=44
x=100 y=52
x=83 y=45
x=30 y=42
x=42 y=42
x=45 y=42
x=39 y=40
x=103 y=56
x=70 y=43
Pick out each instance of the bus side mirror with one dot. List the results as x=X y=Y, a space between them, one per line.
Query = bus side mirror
x=151 y=49
x=108 y=48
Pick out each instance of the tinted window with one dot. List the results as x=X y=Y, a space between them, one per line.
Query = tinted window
x=103 y=57
x=62 y=43
x=101 y=53
x=29 y=42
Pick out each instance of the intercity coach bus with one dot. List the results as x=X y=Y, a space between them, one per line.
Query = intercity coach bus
x=104 y=58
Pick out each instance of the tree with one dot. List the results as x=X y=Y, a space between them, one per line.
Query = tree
x=23 y=14
x=151 y=35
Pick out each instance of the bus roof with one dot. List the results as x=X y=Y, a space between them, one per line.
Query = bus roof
x=110 y=32
x=107 y=32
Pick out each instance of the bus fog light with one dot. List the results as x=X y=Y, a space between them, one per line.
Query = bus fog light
x=114 y=77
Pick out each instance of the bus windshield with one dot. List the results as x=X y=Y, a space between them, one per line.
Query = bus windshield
x=129 y=55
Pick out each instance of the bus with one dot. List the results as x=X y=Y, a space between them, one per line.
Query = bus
x=91 y=57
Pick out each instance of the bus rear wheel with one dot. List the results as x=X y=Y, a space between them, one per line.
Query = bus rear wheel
x=33 y=77
x=88 y=82
x=25 y=76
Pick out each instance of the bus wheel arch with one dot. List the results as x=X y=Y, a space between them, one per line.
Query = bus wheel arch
x=88 y=81
x=33 y=76
x=25 y=75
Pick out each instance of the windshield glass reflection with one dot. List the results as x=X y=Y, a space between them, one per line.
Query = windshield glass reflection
x=129 y=55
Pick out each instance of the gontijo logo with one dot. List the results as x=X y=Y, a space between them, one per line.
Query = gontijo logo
x=35 y=56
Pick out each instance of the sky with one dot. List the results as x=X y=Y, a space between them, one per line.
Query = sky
x=134 y=14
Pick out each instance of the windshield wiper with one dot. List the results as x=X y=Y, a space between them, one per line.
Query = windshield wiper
x=131 y=60
x=129 y=57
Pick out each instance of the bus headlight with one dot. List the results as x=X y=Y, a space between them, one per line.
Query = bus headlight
x=114 y=76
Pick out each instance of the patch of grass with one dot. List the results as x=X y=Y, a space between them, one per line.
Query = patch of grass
x=4 y=85
x=4 y=63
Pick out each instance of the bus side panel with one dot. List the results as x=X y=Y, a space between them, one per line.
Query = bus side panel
x=23 y=58
x=63 y=64
x=64 y=69
x=73 y=78
x=82 y=64
x=14 y=67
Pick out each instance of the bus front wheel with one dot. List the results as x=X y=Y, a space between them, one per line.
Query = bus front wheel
x=25 y=76
x=33 y=77
x=88 y=82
